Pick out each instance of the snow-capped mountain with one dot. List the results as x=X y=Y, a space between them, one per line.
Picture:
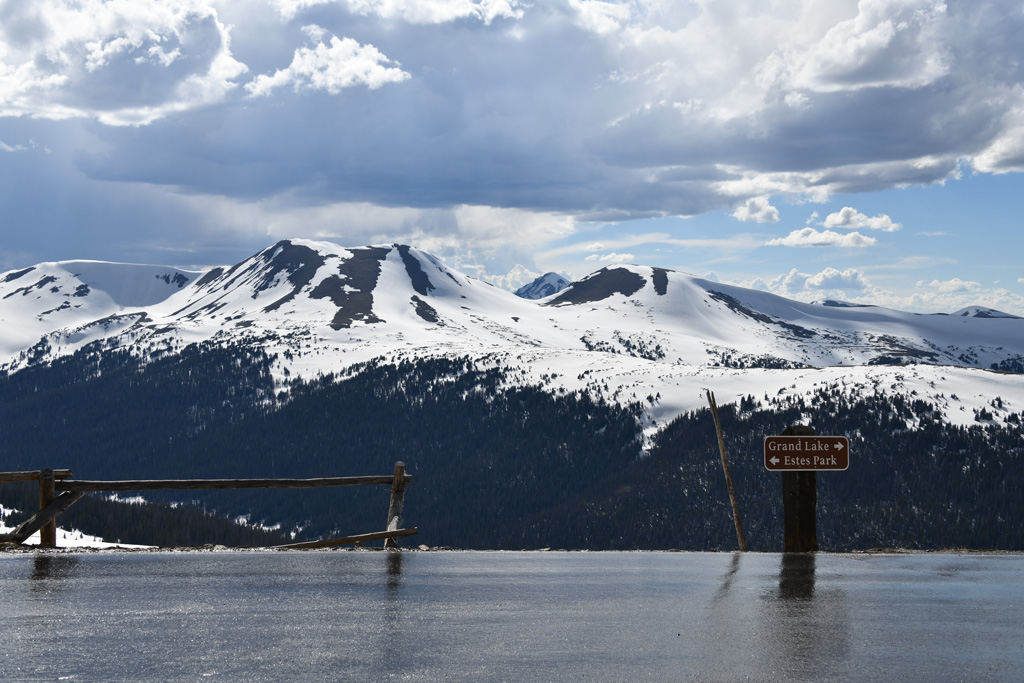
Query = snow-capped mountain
x=41 y=299
x=625 y=333
x=544 y=286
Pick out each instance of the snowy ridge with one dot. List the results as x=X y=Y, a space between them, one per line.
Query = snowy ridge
x=624 y=333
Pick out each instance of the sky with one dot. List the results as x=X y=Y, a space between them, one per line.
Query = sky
x=864 y=151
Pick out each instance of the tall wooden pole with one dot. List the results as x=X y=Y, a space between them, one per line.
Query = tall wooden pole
x=397 y=504
x=728 y=476
x=800 y=503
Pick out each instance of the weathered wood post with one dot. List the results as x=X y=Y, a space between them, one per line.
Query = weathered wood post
x=728 y=476
x=397 y=504
x=800 y=503
x=47 y=492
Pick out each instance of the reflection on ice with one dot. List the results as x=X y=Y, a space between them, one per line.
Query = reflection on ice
x=49 y=572
x=796 y=576
x=807 y=627
x=460 y=616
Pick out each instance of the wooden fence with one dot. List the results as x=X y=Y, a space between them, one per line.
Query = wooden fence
x=58 y=492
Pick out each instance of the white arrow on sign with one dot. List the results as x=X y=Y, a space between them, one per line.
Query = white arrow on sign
x=839 y=445
x=774 y=460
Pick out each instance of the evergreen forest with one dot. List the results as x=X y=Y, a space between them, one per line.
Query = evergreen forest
x=495 y=464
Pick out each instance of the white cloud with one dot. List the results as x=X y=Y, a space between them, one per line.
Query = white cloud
x=123 y=62
x=889 y=43
x=415 y=11
x=809 y=237
x=1005 y=153
x=757 y=210
x=1020 y=281
x=951 y=286
x=343 y=64
x=600 y=17
x=851 y=219
x=512 y=280
x=611 y=258
x=829 y=283
x=831 y=278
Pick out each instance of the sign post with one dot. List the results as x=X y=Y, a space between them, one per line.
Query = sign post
x=799 y=454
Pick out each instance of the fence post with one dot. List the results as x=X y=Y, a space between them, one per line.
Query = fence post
x=47 y=492
x=397 y=504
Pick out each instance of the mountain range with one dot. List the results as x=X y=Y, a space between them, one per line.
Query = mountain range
x=410 y=351
x=622 y=333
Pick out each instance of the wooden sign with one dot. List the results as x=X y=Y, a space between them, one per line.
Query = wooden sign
x=806 y=453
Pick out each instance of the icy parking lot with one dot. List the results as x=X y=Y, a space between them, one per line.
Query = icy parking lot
x=538 y=616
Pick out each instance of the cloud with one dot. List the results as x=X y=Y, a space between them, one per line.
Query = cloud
x=829 y=279
x=600 y=17
x=851 y=219
x=569 y=110
x=605 y=110
x=733 y=245
x=757 y=210
x=512 y=280
x=342 y=64
x=951 y=286
x=611 y=258
x=911 y=263
x=852 y=286
x=1005 y=153
x=809 y=237
x=120 y=62
x=889 y=43
x=414 y=11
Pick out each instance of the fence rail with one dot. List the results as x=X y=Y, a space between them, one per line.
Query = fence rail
x=58 y=492
x=197 y=484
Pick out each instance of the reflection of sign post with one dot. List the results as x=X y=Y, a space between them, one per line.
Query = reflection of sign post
x=806 y=453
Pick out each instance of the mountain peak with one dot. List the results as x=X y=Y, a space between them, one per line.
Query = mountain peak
x=982 y=312
x=544 y=286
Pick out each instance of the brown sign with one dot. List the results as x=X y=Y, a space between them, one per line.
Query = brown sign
x=802 y=453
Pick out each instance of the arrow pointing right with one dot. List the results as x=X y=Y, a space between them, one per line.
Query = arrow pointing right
x=839 y=445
